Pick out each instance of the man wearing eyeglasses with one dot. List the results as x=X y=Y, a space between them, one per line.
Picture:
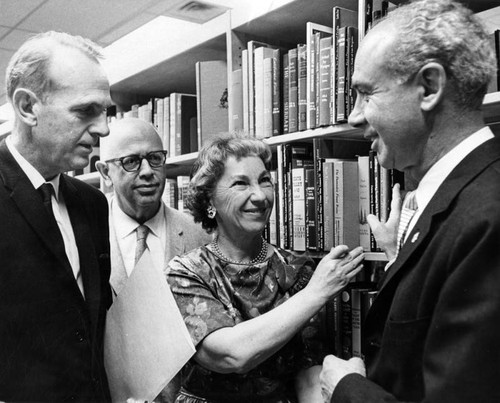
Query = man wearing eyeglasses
x=133 y=164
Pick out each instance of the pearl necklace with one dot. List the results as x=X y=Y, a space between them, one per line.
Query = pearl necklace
x=259 y=259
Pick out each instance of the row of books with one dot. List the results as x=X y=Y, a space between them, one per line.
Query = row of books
x=175 y=119
x=343 y=317
x=324 y=202
x=175 y=191
x=186 y=121
x=285 y=89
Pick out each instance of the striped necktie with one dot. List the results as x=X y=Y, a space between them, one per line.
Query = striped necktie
x=408 y=211
x=141 y=245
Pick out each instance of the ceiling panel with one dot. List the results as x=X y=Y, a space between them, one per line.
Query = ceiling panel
x=15 y=38
x=13 y=11
x=89 y=18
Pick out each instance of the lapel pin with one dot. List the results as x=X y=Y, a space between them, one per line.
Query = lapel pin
x=415 y=237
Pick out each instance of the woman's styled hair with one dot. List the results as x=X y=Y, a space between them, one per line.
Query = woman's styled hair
x=209 y=168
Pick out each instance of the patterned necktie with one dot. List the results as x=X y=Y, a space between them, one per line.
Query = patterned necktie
x=141 y=245
x=407 y=213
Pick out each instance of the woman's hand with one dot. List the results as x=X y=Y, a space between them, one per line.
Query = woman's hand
x=386 y=233
x=335 y=271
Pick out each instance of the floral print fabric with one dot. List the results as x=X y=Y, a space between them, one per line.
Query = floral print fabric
x=212 y=294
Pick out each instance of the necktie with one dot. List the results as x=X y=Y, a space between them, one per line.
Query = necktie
x=47 y=190
x=141 y=245
x=407 y=213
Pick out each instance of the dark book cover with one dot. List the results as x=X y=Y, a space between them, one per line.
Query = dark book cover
x=292 y=90
x=285 y=91
x=311 y=232
x=302 y=87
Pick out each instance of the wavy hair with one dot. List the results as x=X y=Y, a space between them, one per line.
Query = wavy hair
x=30 y=64
x=209 y=168
x=446 y=32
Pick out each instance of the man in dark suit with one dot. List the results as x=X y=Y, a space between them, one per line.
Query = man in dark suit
x=432 y=332
x=54 y=245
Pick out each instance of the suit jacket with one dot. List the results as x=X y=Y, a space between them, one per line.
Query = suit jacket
x=183 y=234
x=50 y=336
x=432 y=332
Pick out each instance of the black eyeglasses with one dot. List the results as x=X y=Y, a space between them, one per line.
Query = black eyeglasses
x=132 y=163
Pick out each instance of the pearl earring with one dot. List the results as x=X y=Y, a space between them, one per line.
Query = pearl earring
x=211 y=212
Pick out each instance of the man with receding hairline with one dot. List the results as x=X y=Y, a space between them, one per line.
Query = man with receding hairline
x=133 y=164
x=54 y=242
x=431 y=334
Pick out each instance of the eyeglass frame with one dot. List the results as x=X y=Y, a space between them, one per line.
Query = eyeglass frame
x=141 y=157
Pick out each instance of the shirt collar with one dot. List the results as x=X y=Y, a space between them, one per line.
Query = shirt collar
x=125 y=225
x=436 y=175
x=31 y=172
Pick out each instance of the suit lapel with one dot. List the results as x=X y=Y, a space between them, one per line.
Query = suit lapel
x=175 y=241
x=465 y=172
x=80 y=222
x=118 y=271
x=30 y=205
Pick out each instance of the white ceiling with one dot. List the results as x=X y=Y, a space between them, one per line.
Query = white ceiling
x=103 y=21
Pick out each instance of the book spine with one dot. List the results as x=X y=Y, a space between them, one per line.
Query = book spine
x=311 y=231
x=318 y=194
x=352 y=47
x=364 y=202
x=244 y=85
x=285 y=91
x=325 y=81
x=166 y=124
x=341 y=84
x=298 y=206
x=258 y=100
x=273 y=218
x=311 y=81
x=302 y=87
x=276 y=95
x=267 y=129
x=346 y=323
x=317 y=76
x=281 y=194
x=338 y=175
x=292 y=91
x=328 y=206
x=237 y=99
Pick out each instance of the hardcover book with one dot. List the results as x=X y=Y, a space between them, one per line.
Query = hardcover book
x=314 y=32
x=212 y=109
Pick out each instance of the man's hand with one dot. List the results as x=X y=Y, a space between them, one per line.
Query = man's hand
x=334 y=369
x=386 y=233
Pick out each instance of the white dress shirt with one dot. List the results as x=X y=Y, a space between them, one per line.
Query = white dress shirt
x=58 y=207
x=125 y=227
x=436 y=175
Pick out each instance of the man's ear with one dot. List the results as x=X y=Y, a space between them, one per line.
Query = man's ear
x=24 y=102
x=103 y=169
x=432 y=78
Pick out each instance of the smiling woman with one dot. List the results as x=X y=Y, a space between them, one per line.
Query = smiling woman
x=249 y=306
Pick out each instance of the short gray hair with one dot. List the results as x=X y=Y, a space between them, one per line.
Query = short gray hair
x=446 y=32
x=28 y=67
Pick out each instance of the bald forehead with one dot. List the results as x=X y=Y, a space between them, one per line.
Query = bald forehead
x=130 y=136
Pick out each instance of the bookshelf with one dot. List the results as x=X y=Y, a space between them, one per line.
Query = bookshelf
x=166 y=64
